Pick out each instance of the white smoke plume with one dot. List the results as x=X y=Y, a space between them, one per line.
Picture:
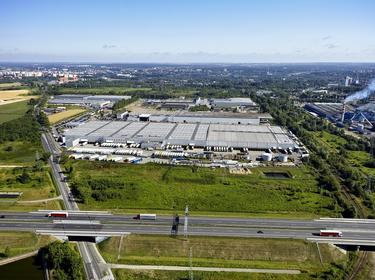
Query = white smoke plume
x=362 y=93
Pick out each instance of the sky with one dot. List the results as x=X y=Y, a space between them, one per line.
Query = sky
x=187 y=31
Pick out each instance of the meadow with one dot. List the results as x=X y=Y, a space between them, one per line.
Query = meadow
x=358 y=159
x=134 y=188
x=19 y=153
x=13 y=111
x=38 y=186
x=220 y=252
x=21 y=242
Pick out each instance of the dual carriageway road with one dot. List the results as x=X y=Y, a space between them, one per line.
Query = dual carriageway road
x=357 y=231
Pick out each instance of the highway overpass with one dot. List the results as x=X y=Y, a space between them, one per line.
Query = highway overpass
x=101 y=224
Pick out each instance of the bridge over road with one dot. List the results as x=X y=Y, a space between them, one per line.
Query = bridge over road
x=360 y=232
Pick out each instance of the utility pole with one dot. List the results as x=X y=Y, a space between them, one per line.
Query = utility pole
x=191 y=274
x=186 y=221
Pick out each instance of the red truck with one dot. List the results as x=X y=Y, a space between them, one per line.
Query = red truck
x=58 y=214
x=332 y=233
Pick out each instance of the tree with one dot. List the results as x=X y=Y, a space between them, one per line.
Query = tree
x=45 y=156
x=7 y=252
x=24 y=178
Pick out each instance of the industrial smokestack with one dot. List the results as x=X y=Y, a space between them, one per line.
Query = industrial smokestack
x=343 y=112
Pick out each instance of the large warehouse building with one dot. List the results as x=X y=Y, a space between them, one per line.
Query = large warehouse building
x=206 y=117
x=97 y=101
x=193 y=134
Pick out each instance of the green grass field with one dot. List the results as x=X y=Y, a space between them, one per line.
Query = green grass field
x=165 y=188
x=40 y=185
x=357 y=158
x=220 y=252
x=174 y=275
x=102 y=90
x=21 y=242
x=13 y=111
x=18 y=153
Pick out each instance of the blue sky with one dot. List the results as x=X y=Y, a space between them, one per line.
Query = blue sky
x=187 y=30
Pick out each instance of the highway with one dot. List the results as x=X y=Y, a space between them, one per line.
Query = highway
x=196 y=221
x=99 y=224
x=88 y=251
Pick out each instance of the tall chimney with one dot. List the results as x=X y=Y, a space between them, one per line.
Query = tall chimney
x=343 y=112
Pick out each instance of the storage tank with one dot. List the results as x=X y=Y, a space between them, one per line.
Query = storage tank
x=283 y=158
x=267 y=157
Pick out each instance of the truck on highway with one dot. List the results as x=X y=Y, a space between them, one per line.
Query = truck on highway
x=330 y=232
x=58 y=214
x=146 y=217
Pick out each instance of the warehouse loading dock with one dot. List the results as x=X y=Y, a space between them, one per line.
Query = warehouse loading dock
x=237 y=136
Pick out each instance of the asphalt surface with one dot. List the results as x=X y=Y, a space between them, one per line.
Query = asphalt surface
x=360 y=230
x=88 y=251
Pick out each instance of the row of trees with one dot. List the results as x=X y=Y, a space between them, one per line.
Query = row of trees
x=124 y=102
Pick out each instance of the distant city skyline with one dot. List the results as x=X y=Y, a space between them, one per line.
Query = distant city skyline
x=187 y=31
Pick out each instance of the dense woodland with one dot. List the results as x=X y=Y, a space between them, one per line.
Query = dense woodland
x=64 y=262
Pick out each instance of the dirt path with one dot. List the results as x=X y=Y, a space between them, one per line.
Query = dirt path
x=17 y=258
x=217 y=269
x=40 y=200
x=10 y=166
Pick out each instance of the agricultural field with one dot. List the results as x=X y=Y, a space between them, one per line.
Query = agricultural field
x=13 y=111
x=103 y=90
x=9 y=85
x=134 y=188
x=55 y=118
x=219 y=252
x=21 y=242
x=15 y=95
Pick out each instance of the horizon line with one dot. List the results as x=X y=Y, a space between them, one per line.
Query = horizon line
x=187 y=63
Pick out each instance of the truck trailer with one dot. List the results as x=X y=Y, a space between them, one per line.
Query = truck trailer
x=146 y=217
x=58 y=214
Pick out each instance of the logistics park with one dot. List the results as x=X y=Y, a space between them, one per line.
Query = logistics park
x=219 y=138
x=183 y=188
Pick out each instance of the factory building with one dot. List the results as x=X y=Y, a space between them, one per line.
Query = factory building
x=94 y=101
x=330 y=111
x=233 y=103
x=205 y=117
x=171 y=104
x=159 y=134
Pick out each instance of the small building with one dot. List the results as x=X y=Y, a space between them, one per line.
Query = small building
x=122 y=115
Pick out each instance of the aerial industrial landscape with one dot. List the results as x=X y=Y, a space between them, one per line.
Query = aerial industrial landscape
x=151 y=144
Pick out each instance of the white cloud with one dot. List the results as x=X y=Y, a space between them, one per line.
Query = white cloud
x=107 y=46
